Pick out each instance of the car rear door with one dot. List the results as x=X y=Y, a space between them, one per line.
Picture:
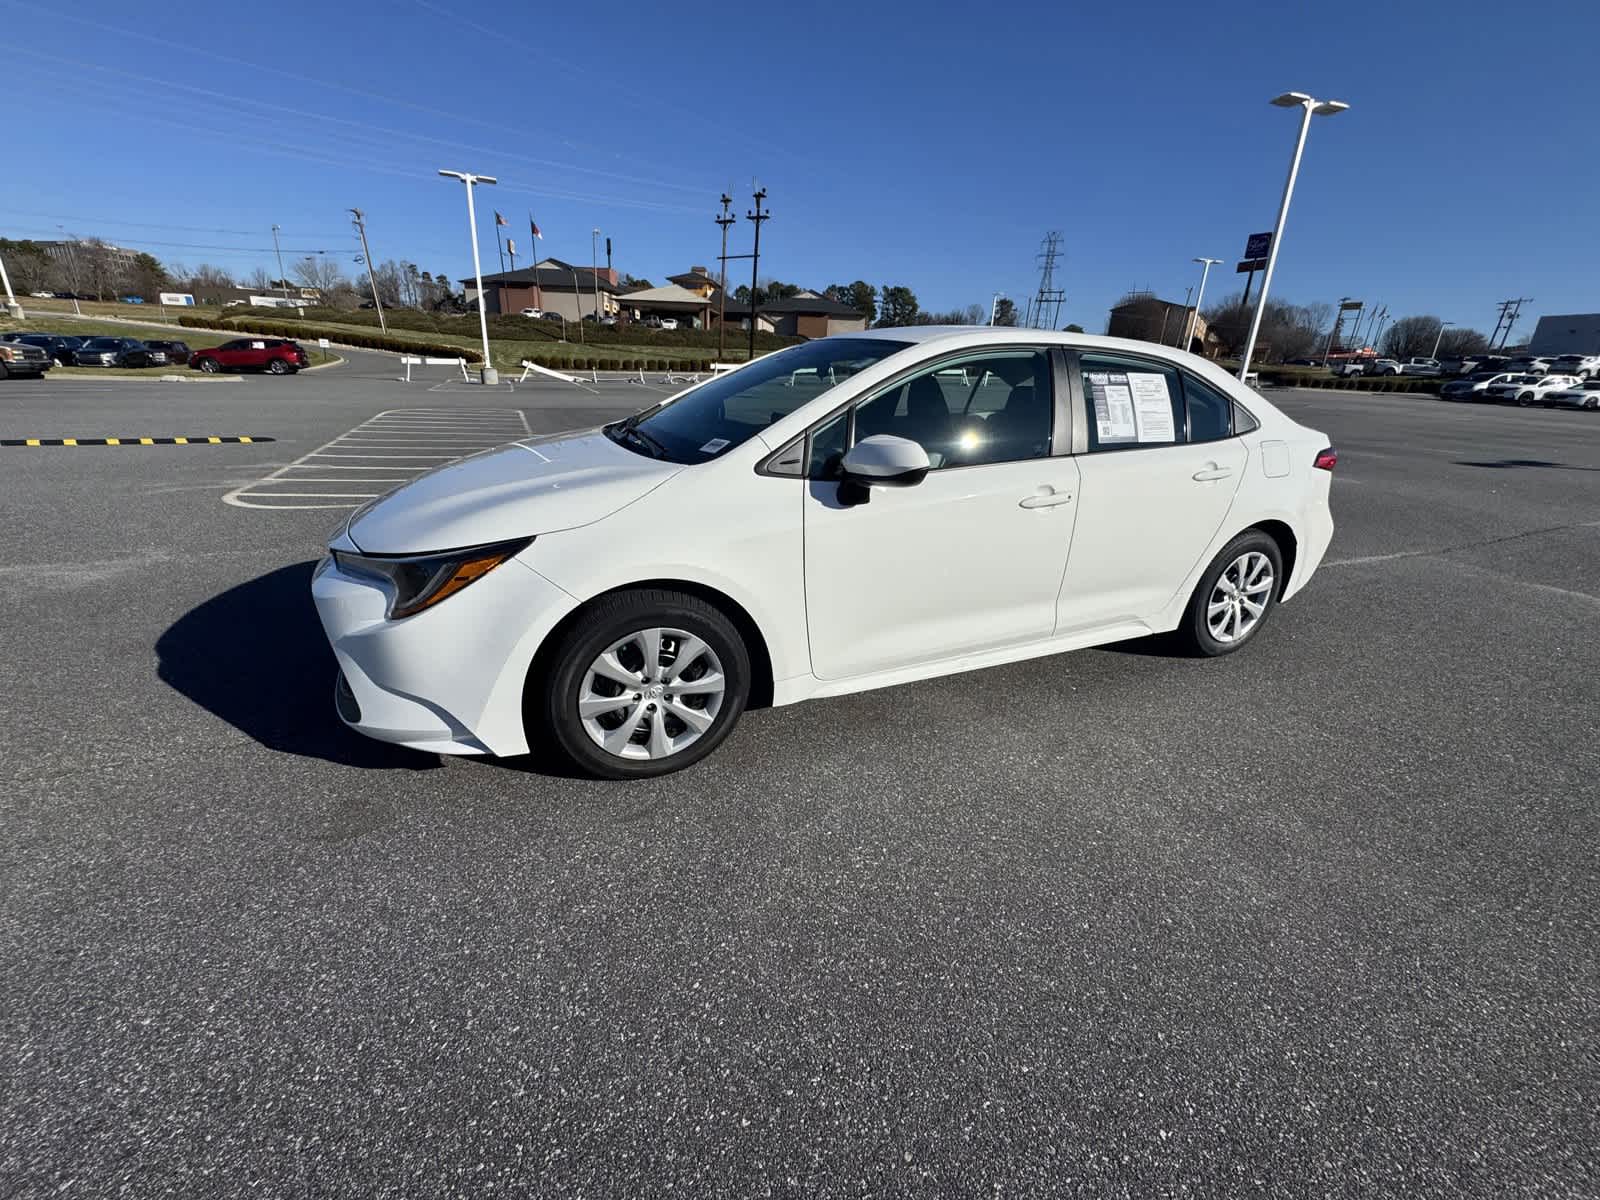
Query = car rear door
x=1152 y=497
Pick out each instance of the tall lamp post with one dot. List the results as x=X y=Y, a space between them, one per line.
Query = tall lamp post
x=489 y=375
x=1440 y=338
x=1309 y=107
x=1194 y=318
x=12 y=306
x=594 y=270
x=994 y=306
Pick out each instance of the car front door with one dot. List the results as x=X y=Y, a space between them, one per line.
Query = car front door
x=1157 y=483
x=970 y=558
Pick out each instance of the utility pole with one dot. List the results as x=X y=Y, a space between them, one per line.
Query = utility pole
x=594 y=270
x=727 y=218
x=755 y=261
x=500 y=292
x=283 y=280
x=71 y=244
x=1188 y=294
x=372 y=279
x=994 y=306
x=1510 y=310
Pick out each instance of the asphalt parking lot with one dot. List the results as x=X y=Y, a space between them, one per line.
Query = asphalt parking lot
x=1318 y=919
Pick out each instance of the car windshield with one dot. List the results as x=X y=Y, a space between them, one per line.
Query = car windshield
x=728 y=411
x=102 y=344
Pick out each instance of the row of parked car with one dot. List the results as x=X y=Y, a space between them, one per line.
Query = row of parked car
x=1551 y=389
x=1584 y=366
x=24 y=354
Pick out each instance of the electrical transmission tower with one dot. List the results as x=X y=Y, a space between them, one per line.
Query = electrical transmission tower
x=1048 y=298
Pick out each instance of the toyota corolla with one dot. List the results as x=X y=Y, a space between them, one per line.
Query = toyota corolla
x=855 y=512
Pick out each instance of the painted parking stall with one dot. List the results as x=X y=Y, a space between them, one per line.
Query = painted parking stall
x=389 y=449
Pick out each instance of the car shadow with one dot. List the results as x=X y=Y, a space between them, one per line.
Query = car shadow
x=255 y=655
x=1507 y=464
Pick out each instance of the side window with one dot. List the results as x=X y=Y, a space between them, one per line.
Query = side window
x=989 y=408
x=1132 y=403
x=1210 y=412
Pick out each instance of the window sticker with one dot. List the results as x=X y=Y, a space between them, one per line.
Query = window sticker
x=1152 y=407
x=714 y=446
x=1113 y=406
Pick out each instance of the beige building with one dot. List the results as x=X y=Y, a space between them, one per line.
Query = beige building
x=1145 y=318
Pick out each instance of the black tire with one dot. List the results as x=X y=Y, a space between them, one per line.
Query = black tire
x=553 y=691
x=209 y=366
x=278 y=367
x=1193 y=634
x=4 y=370
x=1524 y=399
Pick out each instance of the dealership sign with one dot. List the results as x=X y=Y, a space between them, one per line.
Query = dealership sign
x=176 y=299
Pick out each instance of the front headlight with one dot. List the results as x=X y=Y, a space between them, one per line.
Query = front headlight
x=416 y=582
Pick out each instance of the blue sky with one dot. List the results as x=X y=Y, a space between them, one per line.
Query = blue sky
x=930 y=144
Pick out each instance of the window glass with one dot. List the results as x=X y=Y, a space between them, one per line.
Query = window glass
x=728 y=411
x=1132 y=403
x=1210 y=412
x=827 y=447
x=990 y=408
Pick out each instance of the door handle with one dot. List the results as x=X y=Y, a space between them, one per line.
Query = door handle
x=1045 y=500
x=1213 y=472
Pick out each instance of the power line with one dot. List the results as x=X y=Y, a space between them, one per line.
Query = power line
x=139 y=224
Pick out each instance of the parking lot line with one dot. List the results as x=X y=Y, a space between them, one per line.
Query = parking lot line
x=398 y=444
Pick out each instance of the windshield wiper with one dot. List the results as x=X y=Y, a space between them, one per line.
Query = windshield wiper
x=630 y=432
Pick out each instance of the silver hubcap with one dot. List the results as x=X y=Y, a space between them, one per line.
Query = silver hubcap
x=651 y=694
x=1240 y=597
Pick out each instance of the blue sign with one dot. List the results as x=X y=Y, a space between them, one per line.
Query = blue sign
x=1259 y=245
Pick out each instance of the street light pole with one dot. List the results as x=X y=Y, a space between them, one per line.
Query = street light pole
x=12 y=306
x=488 y=375
x=1309 y=107
x=994 y=306
x=1194 y=318
x=1440 y=338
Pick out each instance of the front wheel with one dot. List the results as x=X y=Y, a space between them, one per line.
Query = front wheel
x=1234 y=597
x=209 y=366
x=649 y=682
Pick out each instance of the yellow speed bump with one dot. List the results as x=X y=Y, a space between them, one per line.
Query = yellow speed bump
x=198 y=440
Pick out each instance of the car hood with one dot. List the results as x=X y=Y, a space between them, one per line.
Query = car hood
x=539 y=485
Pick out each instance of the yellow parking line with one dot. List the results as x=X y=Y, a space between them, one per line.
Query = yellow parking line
x=33 y=441
x=180 y=441
x=214 y=440
x=244 y=439
x=69 y=441
x=147 y=441
x=113 y=441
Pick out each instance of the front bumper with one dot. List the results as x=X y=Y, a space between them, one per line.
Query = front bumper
x=448 y=680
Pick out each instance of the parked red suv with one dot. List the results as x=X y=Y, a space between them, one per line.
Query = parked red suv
x=276 y=355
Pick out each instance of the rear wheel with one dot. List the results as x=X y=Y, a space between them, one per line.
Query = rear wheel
x=647 y=683
x=209 y=365
x=278 y=367
x=1524 y=399
x=1234 y=597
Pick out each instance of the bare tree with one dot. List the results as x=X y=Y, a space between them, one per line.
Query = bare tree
x=261 y=280
x=1457 y=342
x=1411 y=337
x=314 y=271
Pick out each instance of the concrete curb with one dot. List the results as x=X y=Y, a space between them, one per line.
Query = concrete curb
x=195 y=378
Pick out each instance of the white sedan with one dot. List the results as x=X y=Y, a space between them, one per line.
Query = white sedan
x=1579 y=395
x=850 y=513
x=1529 y=389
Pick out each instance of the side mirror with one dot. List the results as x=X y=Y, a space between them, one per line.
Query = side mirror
x=884 y=460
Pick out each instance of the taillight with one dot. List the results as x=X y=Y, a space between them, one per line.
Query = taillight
x=1326 y=459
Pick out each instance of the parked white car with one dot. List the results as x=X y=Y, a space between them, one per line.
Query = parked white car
x=1382 y=366
x=849 y=513
x=669 y=322
x=1581 y=395
x=1473 y=387
x=1529 y=389
x=534 y=314
x=1584 y=366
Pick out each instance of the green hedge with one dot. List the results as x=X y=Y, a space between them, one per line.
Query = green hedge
x=298 y=330
x=520 y=329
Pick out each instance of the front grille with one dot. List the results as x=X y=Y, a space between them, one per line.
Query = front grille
x=345 y=701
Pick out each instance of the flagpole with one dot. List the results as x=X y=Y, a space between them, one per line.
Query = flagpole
x=500 y=295
x=533 y=249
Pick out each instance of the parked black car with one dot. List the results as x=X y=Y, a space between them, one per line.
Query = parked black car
x=176 y=352
x=118 y=352
x=58 y=346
